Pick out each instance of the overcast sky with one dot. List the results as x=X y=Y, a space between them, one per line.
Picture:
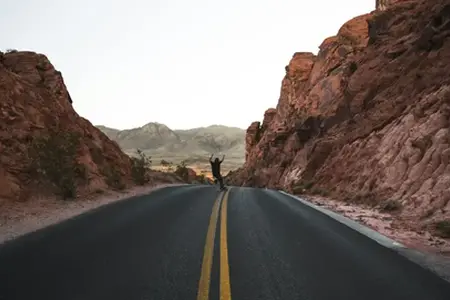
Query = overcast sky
x=182 y=63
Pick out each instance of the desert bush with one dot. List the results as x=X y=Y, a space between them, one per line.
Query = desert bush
x=113 y=177
x=165 y=163
x=302 y=186
x=308 y=185
x=367 y=198
x=53 y=158
x=202 y=179
x=182 y=171
x=443 y=228
x=298 y=189
x=319 y=191
x=390 y=205
x=139 y=168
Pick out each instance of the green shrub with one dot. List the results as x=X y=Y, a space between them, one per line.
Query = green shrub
x=319 y=191
x=202 y=178
x=297 y=189
x=182 y=171
x=53 y=158
x=324 y=193
x=303 y=186
x=443 y=228
x=113 y=177
x=391 y=205
x=308 y=185
x=165 y=163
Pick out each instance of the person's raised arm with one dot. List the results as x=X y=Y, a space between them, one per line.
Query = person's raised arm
x=210 y=159
x=223 y=157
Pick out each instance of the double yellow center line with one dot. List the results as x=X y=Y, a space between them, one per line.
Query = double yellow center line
x=205 y=277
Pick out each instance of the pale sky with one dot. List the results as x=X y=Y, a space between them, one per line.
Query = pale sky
x=184 y=63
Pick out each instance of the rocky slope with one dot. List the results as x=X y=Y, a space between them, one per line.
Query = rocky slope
x=46 y=147
x=367 y=119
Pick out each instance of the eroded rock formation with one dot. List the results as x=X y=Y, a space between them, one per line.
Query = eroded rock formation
x=36 y=113
x=367 y=119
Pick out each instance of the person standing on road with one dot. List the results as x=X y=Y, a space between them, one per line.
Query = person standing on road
x=215 y=168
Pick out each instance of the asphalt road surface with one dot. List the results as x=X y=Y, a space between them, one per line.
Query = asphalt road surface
x=192 y=242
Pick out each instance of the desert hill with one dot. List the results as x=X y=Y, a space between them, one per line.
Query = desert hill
x=193 y=145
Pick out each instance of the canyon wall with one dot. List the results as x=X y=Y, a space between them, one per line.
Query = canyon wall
x=367 y=118
x=45 y=146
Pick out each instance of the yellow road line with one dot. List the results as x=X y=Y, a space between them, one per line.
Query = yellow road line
x=225 y=290
x=205 y=277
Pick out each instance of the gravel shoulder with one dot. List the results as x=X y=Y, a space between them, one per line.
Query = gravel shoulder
x=19 y=218
x=423 y=248
x=387 y=225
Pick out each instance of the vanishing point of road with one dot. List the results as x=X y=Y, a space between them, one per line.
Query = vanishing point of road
x=195 y=243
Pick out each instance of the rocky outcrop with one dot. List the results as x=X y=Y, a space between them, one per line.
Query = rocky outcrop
x=367 y=119
x=45 y=146
x=382 y=5
x=252 y=137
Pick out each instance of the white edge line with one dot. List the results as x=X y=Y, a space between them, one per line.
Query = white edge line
x=370 y=233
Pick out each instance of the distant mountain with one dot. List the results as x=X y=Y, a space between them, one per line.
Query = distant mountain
x=160 y=141
x=149 y=136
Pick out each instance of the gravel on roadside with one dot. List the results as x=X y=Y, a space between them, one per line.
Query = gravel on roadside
x=19 y=218
x=423 y=248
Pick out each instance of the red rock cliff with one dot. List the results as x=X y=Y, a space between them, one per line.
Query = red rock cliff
x=34 y=103
x=368 y=117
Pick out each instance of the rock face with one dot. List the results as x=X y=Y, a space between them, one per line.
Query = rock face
x=36 y=106
x=382 y=5
x=367 y=119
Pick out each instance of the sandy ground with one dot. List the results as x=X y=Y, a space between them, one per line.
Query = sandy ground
x=387 y=225
x=15 y=220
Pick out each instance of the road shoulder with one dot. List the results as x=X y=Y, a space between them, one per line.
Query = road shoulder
x=438 y=264
x=17 y=219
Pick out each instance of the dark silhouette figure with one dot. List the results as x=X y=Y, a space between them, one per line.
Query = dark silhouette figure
x=215 y=168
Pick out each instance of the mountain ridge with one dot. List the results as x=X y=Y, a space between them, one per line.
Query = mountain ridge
x=193 y=144
x=174 y=129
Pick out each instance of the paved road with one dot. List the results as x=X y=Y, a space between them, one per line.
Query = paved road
x=189 y=242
